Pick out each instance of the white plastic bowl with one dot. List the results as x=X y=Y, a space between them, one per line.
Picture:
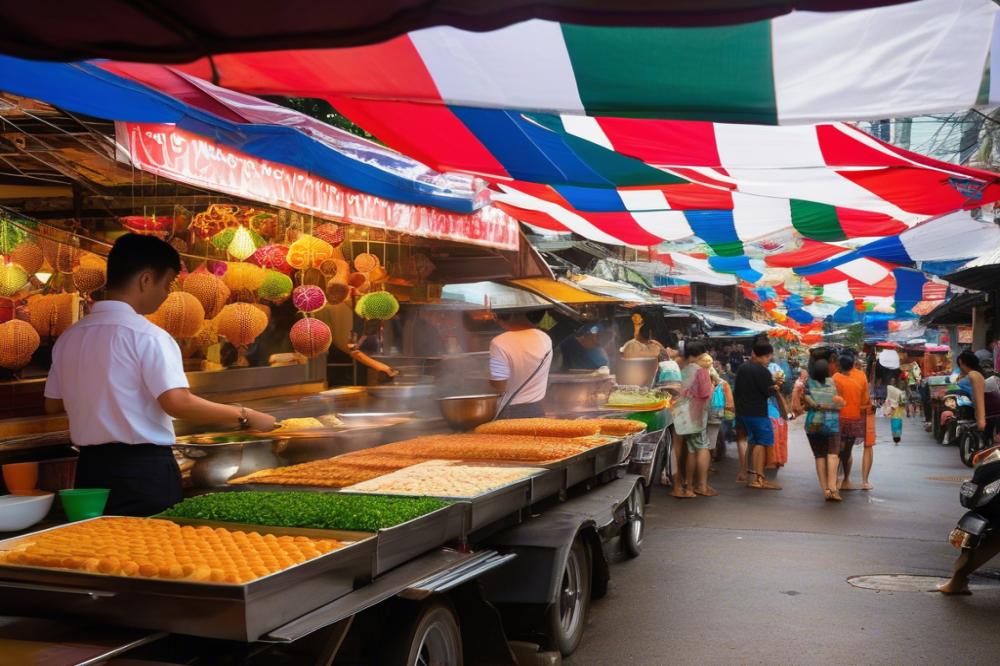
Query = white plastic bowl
x=18 y=512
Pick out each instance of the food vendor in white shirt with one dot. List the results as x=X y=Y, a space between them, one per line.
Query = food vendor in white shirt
x=120 y=379
x=520 y=359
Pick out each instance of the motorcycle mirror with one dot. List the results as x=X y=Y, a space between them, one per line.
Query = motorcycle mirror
x=984 y=456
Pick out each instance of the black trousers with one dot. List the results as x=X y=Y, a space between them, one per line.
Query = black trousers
x=527 y=410
x=144 y=479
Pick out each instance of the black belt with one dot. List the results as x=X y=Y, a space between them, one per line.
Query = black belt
x=117 y=449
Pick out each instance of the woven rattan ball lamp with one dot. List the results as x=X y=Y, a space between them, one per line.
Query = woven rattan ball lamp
x=13 y=278
x=28 y=255
x=310 y=337
x=309 y=252
x=240 y=324
x=18 y=341
x=181 y=315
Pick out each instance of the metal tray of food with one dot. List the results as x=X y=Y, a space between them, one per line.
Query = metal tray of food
x=587 y=465
x=406 y=541
x=242 y=612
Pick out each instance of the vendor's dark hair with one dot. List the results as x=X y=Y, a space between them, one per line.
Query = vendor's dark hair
x=134 y=253
x=820 y=370
x=762 y=349
x=846 y=362
x=694 y=349
x=970 y=360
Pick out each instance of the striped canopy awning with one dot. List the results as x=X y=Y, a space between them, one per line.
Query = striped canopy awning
x=906 y=59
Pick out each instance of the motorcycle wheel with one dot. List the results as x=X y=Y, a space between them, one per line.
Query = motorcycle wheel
x=968 y=445
x=950 y=434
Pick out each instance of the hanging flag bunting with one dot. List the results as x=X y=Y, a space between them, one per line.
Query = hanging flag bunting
x=796 y=68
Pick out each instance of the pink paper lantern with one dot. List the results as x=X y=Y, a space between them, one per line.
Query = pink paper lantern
x=308 y=298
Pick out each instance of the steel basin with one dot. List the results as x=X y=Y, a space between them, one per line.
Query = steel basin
x=636 y=371
x=217 y=462
x=465 y=412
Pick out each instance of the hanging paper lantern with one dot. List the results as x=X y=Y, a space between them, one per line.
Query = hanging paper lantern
x=359 y=282
x=52 y=314
x=12 y=278
x=62 y=257
x=331 y=233
x=309 y=252
x=181 y=315
x=274 y=257
x=210 y=291
x=206 y=336
x=243 y=244
x=380 y=305
x=18 y=341
x=337 y=293
x=310 y=337
x=28 y=255
x=88 y=280
x=308 y=298
x=276 y=287
x=8 y=309
x=244 y=276
x=366 y=262
x=241 y=323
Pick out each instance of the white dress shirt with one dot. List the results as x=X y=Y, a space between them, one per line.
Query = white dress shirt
x=108 y=369
x=514 y=355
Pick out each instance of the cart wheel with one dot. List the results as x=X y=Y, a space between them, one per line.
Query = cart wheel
x=432 y=638
x=968 y=445
x=936 y=430
x=950 y=436
x=635 y=525
x=568 y=615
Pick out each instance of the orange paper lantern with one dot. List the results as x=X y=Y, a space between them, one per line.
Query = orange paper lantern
x=241 y=323
x=366 y=262
x=51 y=315
x=181 y=315
x=62 y=257
x=88 y=280
x=18 y=341
x=28 y=256
x=210 y=291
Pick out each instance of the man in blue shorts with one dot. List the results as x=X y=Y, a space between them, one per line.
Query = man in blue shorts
x=754 y=385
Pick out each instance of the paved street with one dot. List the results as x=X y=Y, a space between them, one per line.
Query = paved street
x=760 y=577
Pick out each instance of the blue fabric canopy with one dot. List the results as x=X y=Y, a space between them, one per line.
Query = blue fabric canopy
x=88 y=89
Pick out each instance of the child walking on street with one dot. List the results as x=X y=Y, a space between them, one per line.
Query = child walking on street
x=895 y=408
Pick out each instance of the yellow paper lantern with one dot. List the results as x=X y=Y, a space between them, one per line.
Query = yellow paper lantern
x=242 y=245
x=241 y=323
x=210 y=291
x=18 y=341
x=181 y=315
x=309 y=252
x=29 y=256
x=12 y=278
x=239 y=276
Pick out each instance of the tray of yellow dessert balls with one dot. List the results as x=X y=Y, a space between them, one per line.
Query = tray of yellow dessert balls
x=219 y=580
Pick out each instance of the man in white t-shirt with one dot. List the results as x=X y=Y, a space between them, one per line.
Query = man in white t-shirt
x=120 y=379
x=520 y=359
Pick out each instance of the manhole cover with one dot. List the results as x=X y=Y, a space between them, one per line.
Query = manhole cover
x=897 y=583
x=950 y=479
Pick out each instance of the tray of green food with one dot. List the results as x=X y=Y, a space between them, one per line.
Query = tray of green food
x=406 y=527
x=636 y=400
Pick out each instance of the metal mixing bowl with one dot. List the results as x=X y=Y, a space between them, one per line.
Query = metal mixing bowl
x=465 y=412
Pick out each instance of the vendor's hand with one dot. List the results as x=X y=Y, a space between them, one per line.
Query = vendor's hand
x=392 y=372
x=260 y=421
x=981 y=424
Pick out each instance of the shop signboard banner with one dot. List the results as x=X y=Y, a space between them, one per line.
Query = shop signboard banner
x=190 y=158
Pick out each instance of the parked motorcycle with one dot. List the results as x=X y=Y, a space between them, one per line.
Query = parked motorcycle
x=981 y=496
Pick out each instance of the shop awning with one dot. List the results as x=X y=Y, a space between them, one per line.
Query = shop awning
x=182 y=30
x=561 y=291
x=982 y=273
x=956 y=311
x=929 y=55
x=491 y=296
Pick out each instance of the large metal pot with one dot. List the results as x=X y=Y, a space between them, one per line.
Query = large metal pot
x=577 y=391
x=465 y=412
x=217 y=460
x=636 y=371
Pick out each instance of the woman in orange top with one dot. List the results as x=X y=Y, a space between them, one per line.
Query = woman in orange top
x=852 y=387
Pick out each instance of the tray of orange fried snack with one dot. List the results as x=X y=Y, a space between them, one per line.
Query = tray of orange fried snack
x=234 y=582
x=330 y=473
x=571 y=428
